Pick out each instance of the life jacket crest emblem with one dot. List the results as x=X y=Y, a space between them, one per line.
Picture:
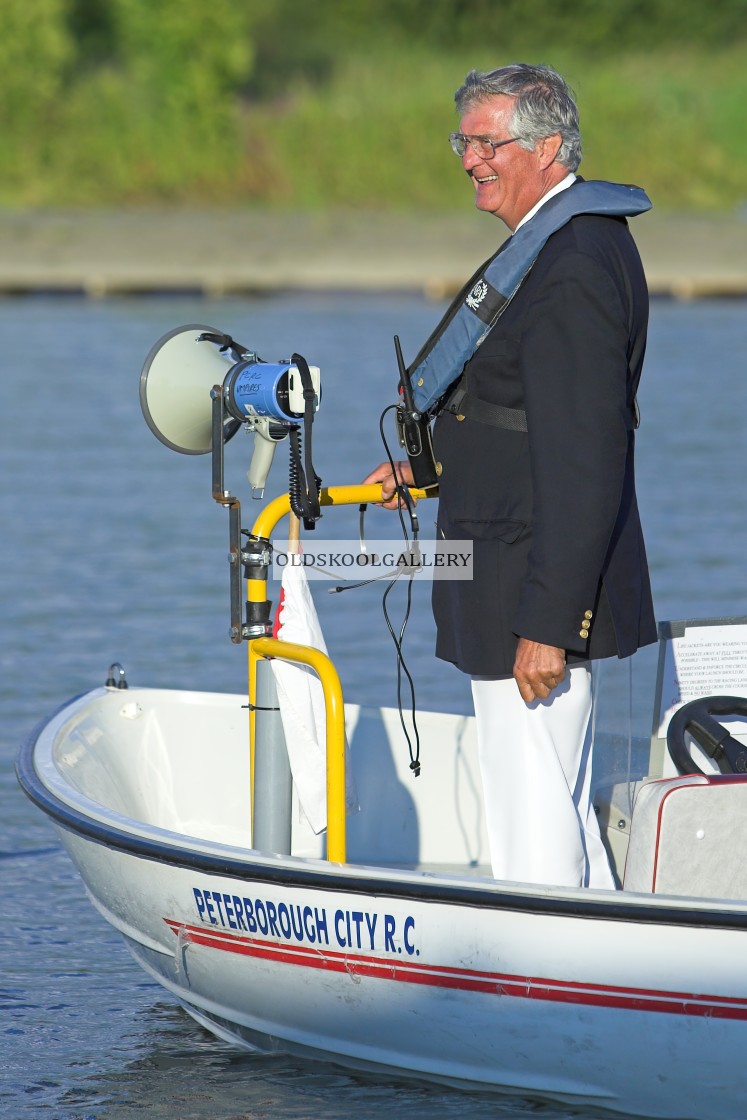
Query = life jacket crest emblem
x=477 y=295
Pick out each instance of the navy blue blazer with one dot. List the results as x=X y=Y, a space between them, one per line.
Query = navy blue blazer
x=552 y=511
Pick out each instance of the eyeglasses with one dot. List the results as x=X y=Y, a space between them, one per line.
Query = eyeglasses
x=481 y=145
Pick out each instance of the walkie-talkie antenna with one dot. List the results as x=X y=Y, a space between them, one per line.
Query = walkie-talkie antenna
x=404 y=380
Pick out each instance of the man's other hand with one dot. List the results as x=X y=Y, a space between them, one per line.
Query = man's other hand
x=538 y=669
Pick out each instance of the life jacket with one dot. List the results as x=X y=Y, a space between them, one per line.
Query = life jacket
x=487 y=294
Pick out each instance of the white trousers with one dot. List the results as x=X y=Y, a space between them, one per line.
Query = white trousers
x=535 y=762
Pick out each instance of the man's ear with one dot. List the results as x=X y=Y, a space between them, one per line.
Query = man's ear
x=548 y=148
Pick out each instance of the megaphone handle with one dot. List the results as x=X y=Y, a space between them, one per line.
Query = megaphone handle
x=259 y=467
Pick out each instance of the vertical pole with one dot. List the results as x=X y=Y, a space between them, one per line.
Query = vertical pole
x=294 y=534
x=253 y=660
x=273 y=784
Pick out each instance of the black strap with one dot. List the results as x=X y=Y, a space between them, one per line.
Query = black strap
x=225 y=342
x=465 y=404
x=462 y=403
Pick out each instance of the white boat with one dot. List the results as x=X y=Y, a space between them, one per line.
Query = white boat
x=384 y=943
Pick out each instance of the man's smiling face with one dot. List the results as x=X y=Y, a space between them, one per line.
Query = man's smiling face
x=509 y=184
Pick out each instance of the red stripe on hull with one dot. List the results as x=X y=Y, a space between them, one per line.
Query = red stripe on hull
x=465 y=979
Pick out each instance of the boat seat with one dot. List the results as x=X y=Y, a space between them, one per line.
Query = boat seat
x=687 y=837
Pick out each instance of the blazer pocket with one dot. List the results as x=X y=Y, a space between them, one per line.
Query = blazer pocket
x=499 y=529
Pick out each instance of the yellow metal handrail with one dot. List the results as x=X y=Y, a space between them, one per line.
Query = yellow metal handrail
x=264 y=527
x=265 y=524
x=335 y=712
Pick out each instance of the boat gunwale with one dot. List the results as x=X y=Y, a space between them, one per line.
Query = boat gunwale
x=351 y=878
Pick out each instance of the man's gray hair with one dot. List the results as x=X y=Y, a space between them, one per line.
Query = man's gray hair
x=544 y=105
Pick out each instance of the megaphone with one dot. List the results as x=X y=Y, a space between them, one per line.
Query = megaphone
x=198 y=386
x=176 y=394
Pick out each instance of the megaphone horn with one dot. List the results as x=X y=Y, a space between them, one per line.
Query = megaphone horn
x=175 y=385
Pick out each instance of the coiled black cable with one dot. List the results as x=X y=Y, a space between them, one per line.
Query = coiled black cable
x=304 y=485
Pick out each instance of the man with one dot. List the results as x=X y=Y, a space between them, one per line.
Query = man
x=536 y=456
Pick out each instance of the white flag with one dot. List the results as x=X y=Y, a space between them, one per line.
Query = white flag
x=301 y=700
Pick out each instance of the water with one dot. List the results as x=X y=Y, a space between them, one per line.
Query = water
x=114 y=550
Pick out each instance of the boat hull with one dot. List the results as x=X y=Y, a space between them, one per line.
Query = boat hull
x=549 y=1004
x=622 y=1002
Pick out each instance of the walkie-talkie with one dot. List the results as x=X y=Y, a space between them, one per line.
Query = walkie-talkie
x=414 y=431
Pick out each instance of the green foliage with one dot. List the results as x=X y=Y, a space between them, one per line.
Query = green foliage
x=92 y=26
x=35 y=50
x=151 y=109
x=375 y=135
x=183 y=52
x=322 y=28
x=311 y=103
x=675 y=127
